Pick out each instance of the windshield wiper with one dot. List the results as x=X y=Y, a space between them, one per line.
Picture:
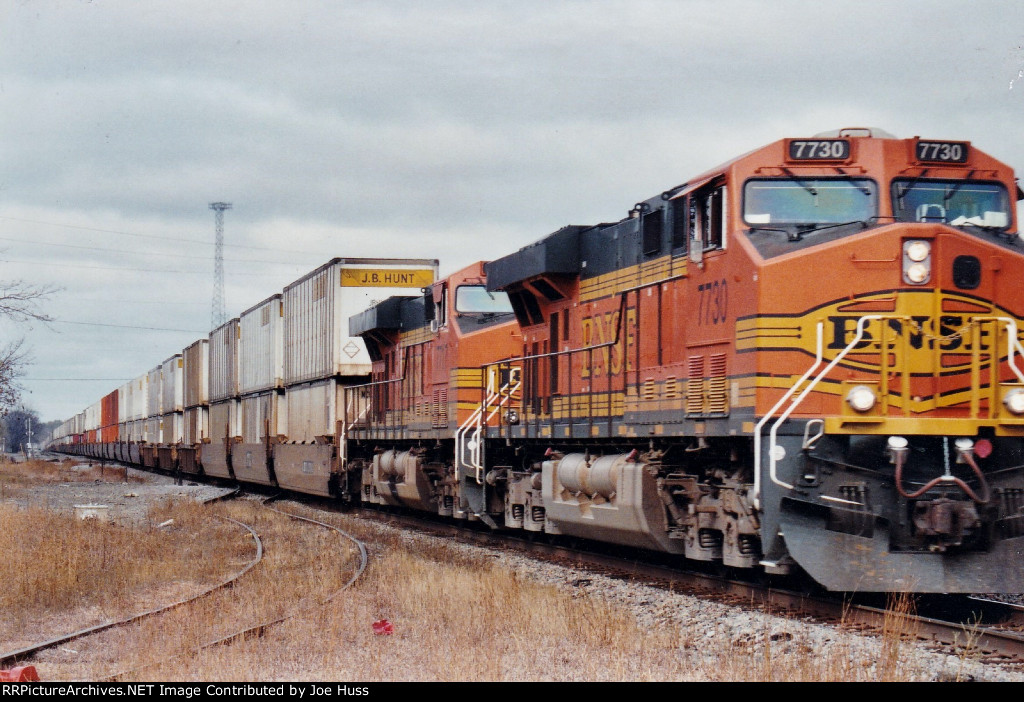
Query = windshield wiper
x=799 y=230
x=816 y=228
x=809 y=188
x=1010 y=237
x=912 y=183
x=947 y=196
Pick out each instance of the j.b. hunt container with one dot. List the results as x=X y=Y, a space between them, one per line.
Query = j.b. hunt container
x=317 y=307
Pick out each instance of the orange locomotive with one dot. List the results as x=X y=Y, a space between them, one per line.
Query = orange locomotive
x=807 y=358
x=422 y=408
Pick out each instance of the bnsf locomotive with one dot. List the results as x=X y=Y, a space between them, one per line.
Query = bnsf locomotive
x=806 y=359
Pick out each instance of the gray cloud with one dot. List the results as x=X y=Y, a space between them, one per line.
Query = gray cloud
x=446 y=130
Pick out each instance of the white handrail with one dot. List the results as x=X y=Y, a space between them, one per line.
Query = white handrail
x=477 y=419
x=756 y=500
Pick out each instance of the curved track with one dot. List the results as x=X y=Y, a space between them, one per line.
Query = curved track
x=259 y=629
x=29 y=651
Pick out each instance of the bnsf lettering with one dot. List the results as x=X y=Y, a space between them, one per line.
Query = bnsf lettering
x=922 y=333
x=600 y=329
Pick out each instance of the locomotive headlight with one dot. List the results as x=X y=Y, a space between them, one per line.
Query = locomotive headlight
x=917 y=273
x=918 y=251
x=1014 y=400
x=917 y=261
x=861 y=398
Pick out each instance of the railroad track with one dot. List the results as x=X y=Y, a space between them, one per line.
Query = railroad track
x=998 y=642
x=22 y=654
x=28 y=652
x=95 y=642
x=256 y=630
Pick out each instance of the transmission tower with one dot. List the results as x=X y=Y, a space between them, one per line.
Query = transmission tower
x=217 y=314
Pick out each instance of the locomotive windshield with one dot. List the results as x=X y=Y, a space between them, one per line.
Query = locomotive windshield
x=809 y=202
x=955 y=202
x=470 y=299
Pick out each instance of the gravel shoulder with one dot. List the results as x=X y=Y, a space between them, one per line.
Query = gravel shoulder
x=123 y=495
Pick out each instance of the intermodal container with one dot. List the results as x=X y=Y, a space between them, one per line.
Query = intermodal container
x=195 y=370
x=172 y=384
x=262 y=415
x=223 y=355
x=317 y=308
x=261 y=347
x=155 y=392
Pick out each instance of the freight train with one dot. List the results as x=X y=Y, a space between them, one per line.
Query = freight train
x=805 y=360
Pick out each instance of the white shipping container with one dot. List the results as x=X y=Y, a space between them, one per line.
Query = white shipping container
x=93 y=415
x=224 y=420
x=152 y=432
x=155 y=393
x=172 y=383
x=139 y=398
x=317 y=308
x=123 y=400
x=172 y=427
x=223 y=355
x=312 y=409
x=261 y=347
x=195 y=371
x=196 y=425
x=261 y=414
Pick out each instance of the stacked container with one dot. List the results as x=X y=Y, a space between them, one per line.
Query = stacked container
x=196 y=395
x=224 y=404
x=154 y=406
x=260 y=381
x=172 y=383
x=320 y=357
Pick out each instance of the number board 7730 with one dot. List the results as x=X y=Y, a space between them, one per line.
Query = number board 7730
x=942 y=151
x=818 y=149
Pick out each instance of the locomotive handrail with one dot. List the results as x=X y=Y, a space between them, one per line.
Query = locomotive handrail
x=756 y=500
x=1013 y=343
x=772 y=455
x=477 y=419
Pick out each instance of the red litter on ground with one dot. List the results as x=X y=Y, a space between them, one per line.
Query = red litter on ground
x=24 y=673
x=383 y=628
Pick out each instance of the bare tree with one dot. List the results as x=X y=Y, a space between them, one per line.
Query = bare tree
x=19 y=301
x=13 y=359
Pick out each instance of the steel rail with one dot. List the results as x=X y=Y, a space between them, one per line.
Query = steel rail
x=29 y=651
x=259 y=629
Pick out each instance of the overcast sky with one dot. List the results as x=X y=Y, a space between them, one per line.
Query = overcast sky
x=454 y=130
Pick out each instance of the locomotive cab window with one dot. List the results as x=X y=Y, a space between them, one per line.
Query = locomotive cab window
x=954 y=202
x=805 y=204
x=476 y=299
x=707 y=217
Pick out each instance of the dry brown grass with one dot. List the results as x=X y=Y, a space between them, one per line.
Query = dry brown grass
x=15 y=478
x=458 y=615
